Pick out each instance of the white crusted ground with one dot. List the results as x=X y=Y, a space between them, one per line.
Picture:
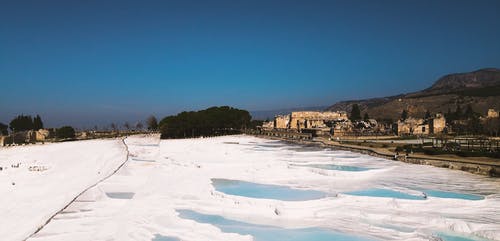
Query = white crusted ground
x=176 y=174
x=49 y=176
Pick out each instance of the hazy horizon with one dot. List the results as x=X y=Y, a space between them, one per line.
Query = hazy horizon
x=97 y=62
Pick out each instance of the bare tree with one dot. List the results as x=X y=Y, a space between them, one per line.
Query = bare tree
x=113 y=126
x=139 y=125
x=126 y=125
x=152 y=123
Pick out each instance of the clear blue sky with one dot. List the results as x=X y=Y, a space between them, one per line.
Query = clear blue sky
x=97 y=62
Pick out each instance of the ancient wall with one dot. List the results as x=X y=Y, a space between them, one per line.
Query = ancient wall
x=411 y=126
x=282 y=122
x=438 y=124
x=314 y=119
x=268 y=125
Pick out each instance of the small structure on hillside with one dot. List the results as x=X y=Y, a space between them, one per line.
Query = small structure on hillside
x=268 y=125
x=492 y=113
x=44 y=134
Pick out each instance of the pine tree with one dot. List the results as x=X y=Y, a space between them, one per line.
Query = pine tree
x=366 y=117
x=404 y=115
x=427 y=115
x=37 y=123
x=469 y=113
x=3 y=129
x=355 y=113
x=21 y=123
x=458 y=112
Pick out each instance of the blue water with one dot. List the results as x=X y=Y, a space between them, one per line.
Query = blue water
x=377 y=192
x=164 y=238
x=443 y=194
x=339 y=167
x=268 y=233
x=448 y=237
x=254 y=190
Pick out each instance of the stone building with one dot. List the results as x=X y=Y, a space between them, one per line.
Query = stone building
x=437 y=124
x=22 y=137
x=268 y=125
x=314 y=119
x=282 y=122
x=412 y=126
x=416 y=126
x=342 y=128
x=43 y=134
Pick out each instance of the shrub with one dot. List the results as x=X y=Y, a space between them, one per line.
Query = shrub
x=65 y=132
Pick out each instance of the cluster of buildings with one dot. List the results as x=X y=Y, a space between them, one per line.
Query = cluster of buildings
x=334 y=123
x=338 y=124
x=420 y=126
x=45 y=135
x=27 y=137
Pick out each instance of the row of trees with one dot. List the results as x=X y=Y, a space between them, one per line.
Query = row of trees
x=151 y=124
x=26 y=123
x=209 y=122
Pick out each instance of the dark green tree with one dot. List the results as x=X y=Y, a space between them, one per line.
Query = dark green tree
x=404 y=115
x=427 y=115
x=366 y=117
x=65 y=132
x=3 y=129
x=254 y=123
x=355 y=113
x=458 y=113
x=469 y=112
x=21 y=123
x=212 y=121
x=37 y=123
x=474 y=125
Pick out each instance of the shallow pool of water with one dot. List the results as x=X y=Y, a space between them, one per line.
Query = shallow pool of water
x=379 y=192
x=120 y=195
x=449 y=237
x=339 y=167
x=269 y=233
x=164 y=238
x=456 y=195
x=255 y=190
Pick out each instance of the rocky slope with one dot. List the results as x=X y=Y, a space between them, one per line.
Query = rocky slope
x=480 y=89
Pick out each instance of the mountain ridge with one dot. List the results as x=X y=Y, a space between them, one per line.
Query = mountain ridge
x=480 y=89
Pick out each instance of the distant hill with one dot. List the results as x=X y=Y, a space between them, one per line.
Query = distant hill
x=480 y=89
x=269 y=114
